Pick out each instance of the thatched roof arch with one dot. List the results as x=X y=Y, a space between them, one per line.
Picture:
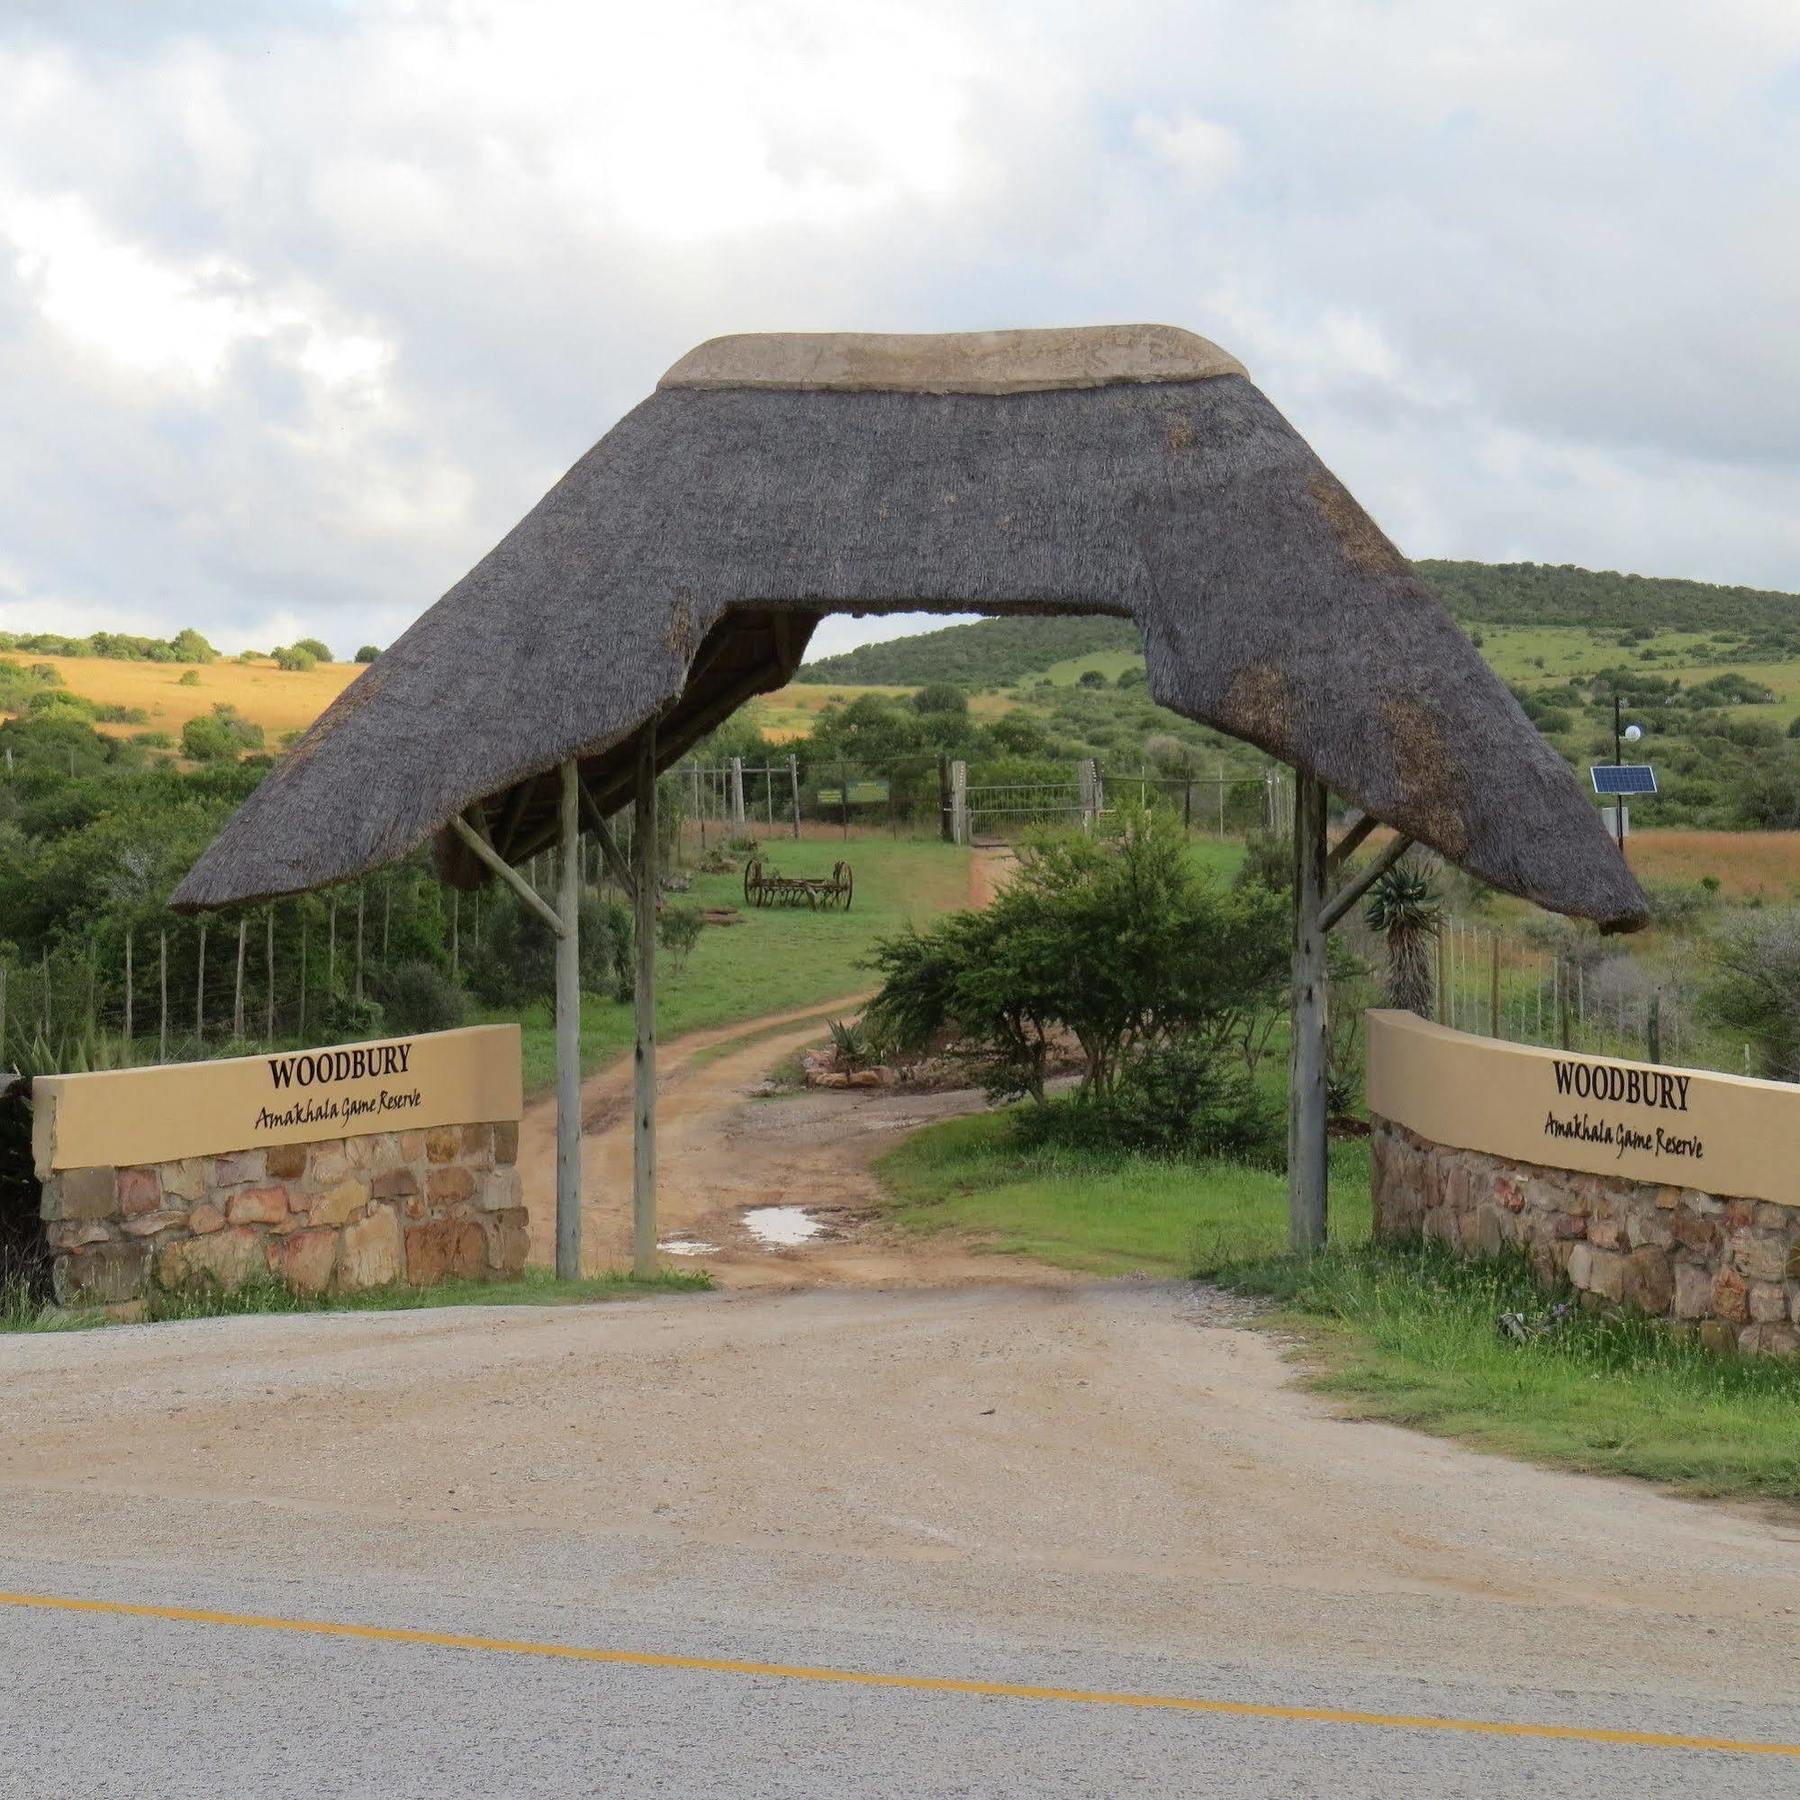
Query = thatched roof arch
x=681 y=565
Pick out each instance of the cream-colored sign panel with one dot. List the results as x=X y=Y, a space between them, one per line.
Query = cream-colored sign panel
x=128 y=1116
x=1726 y=1134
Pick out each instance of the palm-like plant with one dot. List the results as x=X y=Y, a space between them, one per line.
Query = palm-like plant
x=1404 y=908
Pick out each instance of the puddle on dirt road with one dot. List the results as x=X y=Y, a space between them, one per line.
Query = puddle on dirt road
x=687 y=1247
x=782 y=1226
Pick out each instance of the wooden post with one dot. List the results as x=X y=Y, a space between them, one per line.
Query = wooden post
x=1653 y=1028
x=944 y=830
x=1567 y=1011
x=700 y=810
x=387 y=915
x=359 y=940
x=643 y=870
x=1443 y=974
x=844 y=798
x=737 y=796
x=162 y=988
x=300 y=1025
x=455 y=933
x=237 y=992
x=269 y=976
x=794 y=782
x=568 y=1033
x=200 y=989
x=128 y=996
x=1307 y=1166
x=1494 y=986
x=331 y=948
x=1221 y=799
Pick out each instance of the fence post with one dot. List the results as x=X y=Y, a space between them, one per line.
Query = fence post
x=959 y=802
x=1653 y=1027
x=737 y=796
x=794 y=783
x=1187 y=806
x=1221 y=799
x=359 y=940
x=1443 y=974
x=162 y=987
x=237 y=992
x=455 y=932
x=128 y=996
x=300 y=1027
x=1494 y=986
x=200 y=990
x=269 y=973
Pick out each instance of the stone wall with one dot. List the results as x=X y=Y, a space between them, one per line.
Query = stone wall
x=1725 y=1269
x=339 y=1214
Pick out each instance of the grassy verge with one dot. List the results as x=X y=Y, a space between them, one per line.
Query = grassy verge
x=1405 y=1334
x=779 y=959
x=533 y=1288
x=1104 y=1213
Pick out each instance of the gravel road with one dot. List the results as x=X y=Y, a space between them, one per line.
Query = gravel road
x=1104 y=1488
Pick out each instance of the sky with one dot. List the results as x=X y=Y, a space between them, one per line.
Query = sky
x=304 y=302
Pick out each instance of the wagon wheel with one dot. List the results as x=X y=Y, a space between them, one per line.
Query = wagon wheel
x=845 y=884
x=753 y=883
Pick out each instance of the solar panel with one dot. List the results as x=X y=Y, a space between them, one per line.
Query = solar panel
x=1623 y=778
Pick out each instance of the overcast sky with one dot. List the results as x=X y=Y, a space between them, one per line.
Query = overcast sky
x=302 y=303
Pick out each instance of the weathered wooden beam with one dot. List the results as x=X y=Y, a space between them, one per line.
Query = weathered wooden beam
x=507 y=873
x=1348 y=845
x=1308 y=1164
x=609 y=845
x=568 y=1033
x=1348 y=895
x=514 y=813
x=643 y=1154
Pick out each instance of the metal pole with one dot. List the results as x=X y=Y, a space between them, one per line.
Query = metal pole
x=643 y=1148
x=1307 y=1167
x=568 y=1033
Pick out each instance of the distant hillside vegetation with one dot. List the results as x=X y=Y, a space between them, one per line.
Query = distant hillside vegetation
x=1004 y=652
x=989 y=653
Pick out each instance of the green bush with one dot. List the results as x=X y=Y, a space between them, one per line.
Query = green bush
x=419 y=996
x=678 y=931
x=368 y=653
x=516 y=961
x=314 y=647
x=296 y=659
x=344 y=1019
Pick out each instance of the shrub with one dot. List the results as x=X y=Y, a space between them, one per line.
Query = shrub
x=344 y=1019
x=295 y=658
x=1756 y=990
x=419 y=996
x=516 y=961
x=1091 y=678
x=314 y=647
x=368 y=653
x=678 y=931
x=190 y=679
x=941 y=697
x=220 y=736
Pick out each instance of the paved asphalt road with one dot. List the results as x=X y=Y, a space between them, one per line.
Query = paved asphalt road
x=1100 y=1493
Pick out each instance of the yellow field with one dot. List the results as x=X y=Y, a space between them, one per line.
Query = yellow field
x=791 y=712
x=275 y=700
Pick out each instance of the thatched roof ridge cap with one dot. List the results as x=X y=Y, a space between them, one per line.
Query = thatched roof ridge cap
x=952 y=362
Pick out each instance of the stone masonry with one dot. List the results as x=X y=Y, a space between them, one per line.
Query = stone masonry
x=401 y=1206
x=1726 y=1270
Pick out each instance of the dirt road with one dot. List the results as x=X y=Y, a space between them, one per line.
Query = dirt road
x=1096 y=1488
x=721 y=1152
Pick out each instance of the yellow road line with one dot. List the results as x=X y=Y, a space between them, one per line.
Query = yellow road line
x=927 y=1684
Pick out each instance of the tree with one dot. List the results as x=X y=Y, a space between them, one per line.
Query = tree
x=678 y=931
x=190 y=646
x=941 y=697
x=1756 y=962
x=316 y=648
x=295 y=658
x=220 y=736
x=1404 y=909
x=1091 y=678
x=368 y=653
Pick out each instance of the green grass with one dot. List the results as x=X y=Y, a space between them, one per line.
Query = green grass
x=1405 y=1334
x=779 y=959
x=1103 y=1213
x=533 y=1288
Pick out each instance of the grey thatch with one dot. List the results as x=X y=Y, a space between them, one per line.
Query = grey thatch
x=680 y=567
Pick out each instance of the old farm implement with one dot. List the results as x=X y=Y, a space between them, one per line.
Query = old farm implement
x=763 y=887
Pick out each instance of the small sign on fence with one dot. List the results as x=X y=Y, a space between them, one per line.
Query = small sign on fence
x=862 y=793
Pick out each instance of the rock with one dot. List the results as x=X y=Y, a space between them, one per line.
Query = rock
x=149 y=1224
x=329 y=1165
x=412 y=1146
x=287 y=1162
x=1491 y=1229
x=229 y=1257
x=104 y=1275
x=442 y=1144
x=80 y=1194
x=369 y=1255
x=1606 y=1234
x=1580 y=1268
x=258 y=1206
x=863 y=1078
x=394 y=1184
x=1731 y=1297
x=185 y=1179
x=445 y=1248
x=204 y=1218
x=477 y=1146
x=76 y=1234
x=385 y=1152
x=1718 y=1337
x=138 y=1191
x=308 y=1259
x=1650 y=1228
x=1649 y=1281
x=1768 y=1303
x=1769 y=1340
x=1607 y=1275
x=443 y=1186
x=359 y=1151
x=1759 y=1255
x=506 y=1142
x=344 y=1200
x=831 y=1078
x=510 y=1243
x=1693 y=1291
x=501 y=1191
x=1694 y=1231
x=240 y=1166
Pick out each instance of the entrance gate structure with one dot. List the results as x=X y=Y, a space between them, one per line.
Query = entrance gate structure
x=680 y=567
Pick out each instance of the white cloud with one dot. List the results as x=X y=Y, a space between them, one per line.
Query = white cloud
x=299 y=311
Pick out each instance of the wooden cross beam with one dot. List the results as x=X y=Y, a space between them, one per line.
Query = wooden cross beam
x=508 y=874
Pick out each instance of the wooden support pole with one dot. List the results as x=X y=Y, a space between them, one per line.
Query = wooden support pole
x=794 y=782
x=300 y=1024
x=331 y=948
x=1348 y=845
x=237 y=991
x=1494 y=985
x=1307 y=1167
x=269 y=976
x=1358 y=885
x=359 y=940
x=643 y=1159
x=455 y=933
x=568 y=1034
x=510 y=875
x=200 y=989
x=162 y=988
x=128 y=1021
